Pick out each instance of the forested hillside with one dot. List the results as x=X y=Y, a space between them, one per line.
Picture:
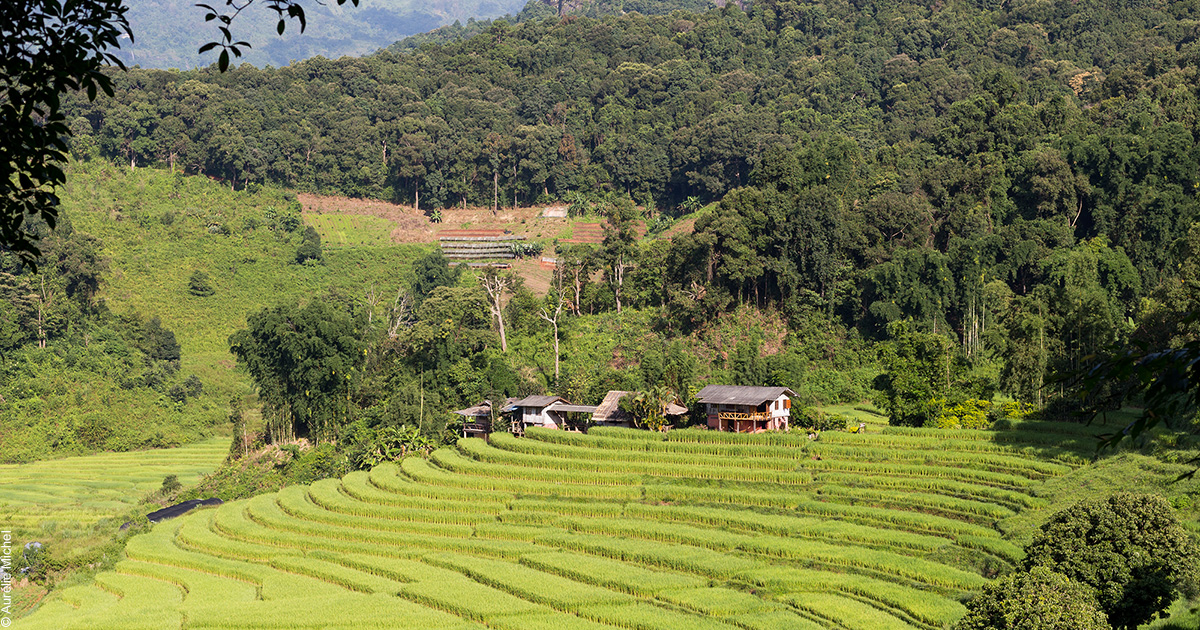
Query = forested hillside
x=1023 y=178
x=119 y=340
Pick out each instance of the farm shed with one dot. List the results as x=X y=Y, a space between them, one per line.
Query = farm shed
x=551 y=412
x=747 y=409
x=608 y=412
x=477 y=420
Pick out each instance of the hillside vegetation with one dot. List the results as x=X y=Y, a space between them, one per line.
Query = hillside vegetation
x=933 y=214
x=119 y=351
x=1019 y=179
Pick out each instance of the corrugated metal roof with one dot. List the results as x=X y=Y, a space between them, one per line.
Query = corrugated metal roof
x=740 y=394
x=537 y=401
x=571 y=408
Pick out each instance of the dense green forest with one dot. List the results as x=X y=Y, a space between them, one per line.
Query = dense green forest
x=995 y=194
x=1021 y=178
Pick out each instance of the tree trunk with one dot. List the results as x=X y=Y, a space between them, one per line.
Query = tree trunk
x=495 y=191
x=495 y=286
x=561 y=297
x=500 y=321
x=578 y=291
x=556 y=350
x=619 y=276
x=41 y=327
x=42 y=314
x=617 y=294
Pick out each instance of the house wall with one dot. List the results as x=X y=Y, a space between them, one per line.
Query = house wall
x=780 y=410
x=537 y=416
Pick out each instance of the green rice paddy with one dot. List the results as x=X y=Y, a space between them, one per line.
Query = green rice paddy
x=613 y=529
x=351 y=229
x=78 y=491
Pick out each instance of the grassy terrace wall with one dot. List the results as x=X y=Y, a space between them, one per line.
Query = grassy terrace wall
x=614 y=529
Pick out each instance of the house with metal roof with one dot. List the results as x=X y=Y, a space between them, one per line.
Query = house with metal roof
x=747 y=409
x=551 y=412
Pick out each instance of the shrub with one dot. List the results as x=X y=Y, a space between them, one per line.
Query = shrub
x=33 y=562
x=1038 y=600
x=189 y=388
x=526 y=249
x=972 y=413
x=578 y=204
x=813 y=419
x=177 y=393
x=199 y=286
x=286 y=221
x=170 y=484
x=193 y=386
x=92 y=431
x=310 y=247
x=1129 y=548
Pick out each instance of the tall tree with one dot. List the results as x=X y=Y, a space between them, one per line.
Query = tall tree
x=916 y=378
x=430 y=272
x=576 y=261
x=620 y=245
x=553 y=312
x=304 y=362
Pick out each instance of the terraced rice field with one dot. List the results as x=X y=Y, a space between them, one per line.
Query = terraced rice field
x=78 y=491
x=351 y=229
x=613 y=529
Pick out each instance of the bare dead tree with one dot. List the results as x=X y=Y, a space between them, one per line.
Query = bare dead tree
x=558 y=295
x=579 y=261
x=401 y=312
x=497 y=284
x=373 y=297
